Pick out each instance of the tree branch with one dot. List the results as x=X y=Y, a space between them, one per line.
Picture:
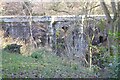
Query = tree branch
x=106 y=11
x=62 y=11
x=94 y=7
x=114 y=9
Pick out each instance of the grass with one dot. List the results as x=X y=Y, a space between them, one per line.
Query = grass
x=12 y=63
x=41 y=64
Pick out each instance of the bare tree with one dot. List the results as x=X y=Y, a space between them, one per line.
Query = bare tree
x=28 y=11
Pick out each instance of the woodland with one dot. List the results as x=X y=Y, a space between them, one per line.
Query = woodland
x=62 y=39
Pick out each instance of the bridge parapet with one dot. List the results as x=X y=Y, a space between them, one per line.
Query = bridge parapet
x=47 y=18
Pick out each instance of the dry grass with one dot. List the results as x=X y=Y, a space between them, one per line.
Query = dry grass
x=9 y=40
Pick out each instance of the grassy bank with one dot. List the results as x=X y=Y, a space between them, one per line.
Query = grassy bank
x=41 y=64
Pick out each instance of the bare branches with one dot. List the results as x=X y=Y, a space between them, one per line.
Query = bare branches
x=27 y=8
x=106 y=11
x=113 y=6
x=94 y=7
x=114 y=9
x=62 y=11
x=118 y=8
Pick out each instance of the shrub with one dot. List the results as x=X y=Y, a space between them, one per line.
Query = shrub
x=13 y=48
x=36 y=55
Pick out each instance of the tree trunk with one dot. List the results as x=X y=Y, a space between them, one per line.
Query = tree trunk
x=118 y=26
x=51 y=32
x=28 y=12
x=54 y=38
x=119 y=38
x=110 y=24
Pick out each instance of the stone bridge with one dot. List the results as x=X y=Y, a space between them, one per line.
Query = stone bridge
x=19 y=26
